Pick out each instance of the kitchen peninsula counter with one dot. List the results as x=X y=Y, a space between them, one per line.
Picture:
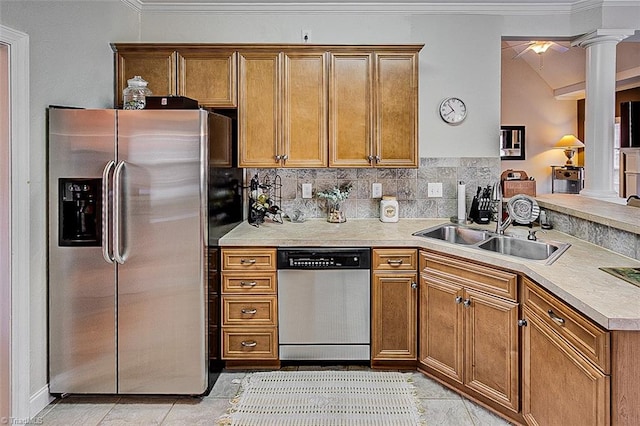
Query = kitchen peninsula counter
x=574 y=277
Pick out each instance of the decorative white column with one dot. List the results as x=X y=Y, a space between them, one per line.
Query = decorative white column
x=600 y=109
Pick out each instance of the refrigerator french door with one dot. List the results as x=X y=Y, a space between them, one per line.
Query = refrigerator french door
x=127 y=232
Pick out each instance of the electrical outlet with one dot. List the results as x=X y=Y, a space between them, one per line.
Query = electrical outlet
x=376 y=190
x=306 y=36
x=307 y=190
x=434 y=189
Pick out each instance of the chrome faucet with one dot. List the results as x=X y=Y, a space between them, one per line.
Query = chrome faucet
x=496 y=197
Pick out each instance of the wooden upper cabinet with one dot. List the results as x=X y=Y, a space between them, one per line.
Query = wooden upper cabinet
x=373 y=108
x=204 y=73
x=350 y=110
x=304 y=109
x=208 y=76
x=259 y=108
x=396 y=107
x=157 y=66
x=283 y=112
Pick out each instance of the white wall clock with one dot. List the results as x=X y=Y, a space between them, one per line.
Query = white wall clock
x=453 y=110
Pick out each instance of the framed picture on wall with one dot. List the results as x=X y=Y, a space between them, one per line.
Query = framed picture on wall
x=512 y=143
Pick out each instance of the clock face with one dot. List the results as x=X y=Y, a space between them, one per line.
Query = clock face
x=453 y=110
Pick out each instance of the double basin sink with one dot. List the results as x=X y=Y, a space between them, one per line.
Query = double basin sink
x=546 y=251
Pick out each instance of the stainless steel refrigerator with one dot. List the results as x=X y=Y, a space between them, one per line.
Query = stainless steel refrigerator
x=127 y=239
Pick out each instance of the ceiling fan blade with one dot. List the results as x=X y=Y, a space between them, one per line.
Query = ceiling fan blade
x=515 y=46
x=522 y=53
x=559 y=48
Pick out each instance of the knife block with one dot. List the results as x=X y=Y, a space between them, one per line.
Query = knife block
x=480 y=211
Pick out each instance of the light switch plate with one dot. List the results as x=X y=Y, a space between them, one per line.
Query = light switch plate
x=307 y=190
x=434 y=189
x=376 y=190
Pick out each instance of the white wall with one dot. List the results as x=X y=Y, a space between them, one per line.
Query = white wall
x=528 y=101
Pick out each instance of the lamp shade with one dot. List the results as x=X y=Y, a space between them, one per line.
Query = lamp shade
x=569 y=141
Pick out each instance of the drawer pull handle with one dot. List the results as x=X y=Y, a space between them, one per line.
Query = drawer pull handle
x=248 y=283
x=251 y=344
x=394 y=262
x=247 y=261
x=554 y=317
x=249 y=311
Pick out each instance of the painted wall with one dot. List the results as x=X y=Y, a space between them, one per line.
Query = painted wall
x=528 y=101
x=72 y=64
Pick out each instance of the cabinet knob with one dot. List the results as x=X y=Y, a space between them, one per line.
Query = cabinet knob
x=467 y=302
x=377 y=158
x=278 y=158
x=370 y=158
x=414 y=285
x=523 y=323
x=284 y=157
x=458 y=299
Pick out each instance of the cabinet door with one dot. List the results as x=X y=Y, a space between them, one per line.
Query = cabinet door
x=259 y=109
x=560 y=386
x=209 y=76
x=396 y=107
x=441 y=327
x=491 y=347
x=350 y=110
x=157 y=66
x=304 y=109
x=394 y=334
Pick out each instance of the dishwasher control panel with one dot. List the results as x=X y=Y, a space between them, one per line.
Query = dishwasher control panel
x=324 y=258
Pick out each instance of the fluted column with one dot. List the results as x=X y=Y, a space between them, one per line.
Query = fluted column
x=600 y=109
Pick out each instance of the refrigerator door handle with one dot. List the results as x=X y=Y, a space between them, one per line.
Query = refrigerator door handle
x=117 y=180
x=106 y=220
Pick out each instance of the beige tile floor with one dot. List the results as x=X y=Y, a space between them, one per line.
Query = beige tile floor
x=442 y=407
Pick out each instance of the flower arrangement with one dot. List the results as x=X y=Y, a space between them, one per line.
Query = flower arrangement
x=337 y=194
x=334 y=197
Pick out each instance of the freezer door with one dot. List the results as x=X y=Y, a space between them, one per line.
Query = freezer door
x=82 y=315
x=161 y=288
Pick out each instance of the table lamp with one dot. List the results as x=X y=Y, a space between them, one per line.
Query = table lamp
x=569 y=143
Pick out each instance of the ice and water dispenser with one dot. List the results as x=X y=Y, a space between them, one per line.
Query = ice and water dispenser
x=79 y=208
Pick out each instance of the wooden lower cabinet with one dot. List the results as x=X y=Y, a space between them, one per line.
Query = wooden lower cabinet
x=394 y=308
x=249 y=307
x=470 y=338
x=560 y=387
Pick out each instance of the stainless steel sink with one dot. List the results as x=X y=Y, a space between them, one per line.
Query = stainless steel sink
x=542 y=251
x=527 y=249
x=455 y=234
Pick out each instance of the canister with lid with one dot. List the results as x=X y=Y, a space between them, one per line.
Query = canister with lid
x=389 y=209
x=135 y=94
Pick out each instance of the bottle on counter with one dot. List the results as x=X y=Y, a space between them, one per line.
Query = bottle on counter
x=388 y=209
x=135 y=94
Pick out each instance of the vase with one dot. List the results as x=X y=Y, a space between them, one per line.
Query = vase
x=335 y=214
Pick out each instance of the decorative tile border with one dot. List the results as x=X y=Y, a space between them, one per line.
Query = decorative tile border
x=408 y=185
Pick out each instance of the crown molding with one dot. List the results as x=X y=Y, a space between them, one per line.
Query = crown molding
x=504 y=7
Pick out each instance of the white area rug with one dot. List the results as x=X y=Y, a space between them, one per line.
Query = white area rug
x=325 y=398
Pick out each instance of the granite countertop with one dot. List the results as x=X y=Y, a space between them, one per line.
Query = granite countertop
x=574 y=277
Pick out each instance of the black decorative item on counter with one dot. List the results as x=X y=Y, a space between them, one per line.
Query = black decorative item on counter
x=265 y=199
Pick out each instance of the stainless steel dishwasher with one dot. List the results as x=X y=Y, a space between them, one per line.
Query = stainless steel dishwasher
x=324 y=303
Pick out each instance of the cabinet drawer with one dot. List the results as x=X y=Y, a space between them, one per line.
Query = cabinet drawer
x=592 y=341
x=249 y=283
x=239 y=343
x=471 y=275
x=249 y=259
x=395 y=259
x=249 y=311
